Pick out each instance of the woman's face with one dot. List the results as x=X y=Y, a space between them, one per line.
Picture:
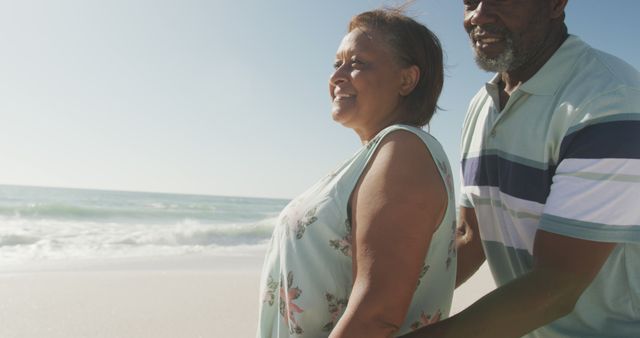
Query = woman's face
x=365 y=87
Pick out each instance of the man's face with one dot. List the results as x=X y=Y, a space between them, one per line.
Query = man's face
x=506 y=34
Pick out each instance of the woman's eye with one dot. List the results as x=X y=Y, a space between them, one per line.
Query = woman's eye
x=356 y=63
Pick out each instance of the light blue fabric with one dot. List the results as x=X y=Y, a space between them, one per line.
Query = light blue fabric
x=307 y=276
x=563 y=156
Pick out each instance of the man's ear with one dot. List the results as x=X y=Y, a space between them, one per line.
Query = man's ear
x=409 y=80
x=557 y=8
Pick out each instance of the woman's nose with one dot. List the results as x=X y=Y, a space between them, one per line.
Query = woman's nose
x=339 y=75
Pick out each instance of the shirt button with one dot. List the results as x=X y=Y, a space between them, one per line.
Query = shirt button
x=493 y=133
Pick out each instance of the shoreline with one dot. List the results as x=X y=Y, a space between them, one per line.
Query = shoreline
x=161 y=297
x=221 y=261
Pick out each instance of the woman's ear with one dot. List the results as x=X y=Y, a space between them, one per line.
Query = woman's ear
x=409 y=80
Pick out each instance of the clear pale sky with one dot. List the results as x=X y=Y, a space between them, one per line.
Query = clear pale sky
x=225 y=97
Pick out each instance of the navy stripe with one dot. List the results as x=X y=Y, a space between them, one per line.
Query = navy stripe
x=616 y=139
x=515 y=179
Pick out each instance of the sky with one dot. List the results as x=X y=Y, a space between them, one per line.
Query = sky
x=220 y=97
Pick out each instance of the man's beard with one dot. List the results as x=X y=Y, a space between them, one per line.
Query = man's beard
x=508 y=60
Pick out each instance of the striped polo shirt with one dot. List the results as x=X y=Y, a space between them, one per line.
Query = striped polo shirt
x=563 y=156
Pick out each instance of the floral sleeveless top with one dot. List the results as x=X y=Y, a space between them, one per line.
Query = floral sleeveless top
x=307 y=277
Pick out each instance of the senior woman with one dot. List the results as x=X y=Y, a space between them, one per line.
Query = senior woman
x=368 y=251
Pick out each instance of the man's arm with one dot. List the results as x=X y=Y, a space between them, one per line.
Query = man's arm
x=563 y=268
x=469 y=246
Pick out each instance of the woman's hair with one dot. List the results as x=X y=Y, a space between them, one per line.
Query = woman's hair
x=410 y=43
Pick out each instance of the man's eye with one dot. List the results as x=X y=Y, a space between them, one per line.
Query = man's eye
x=337 y=64
x=471 y=3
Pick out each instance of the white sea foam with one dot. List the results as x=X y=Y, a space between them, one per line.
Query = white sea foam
x=22 y=239
x=51 y=224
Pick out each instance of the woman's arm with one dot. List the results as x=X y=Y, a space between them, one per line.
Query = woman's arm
x=396 y=207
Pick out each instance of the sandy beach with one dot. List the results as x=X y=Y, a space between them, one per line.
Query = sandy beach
x=191 y=296
x=176 y=297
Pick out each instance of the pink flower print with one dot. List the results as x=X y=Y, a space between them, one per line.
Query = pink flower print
x=287 y=308
x=451 y=254
x=343 y=244
x=425 y=320
x=305 y=221
x=270 y=292
x=297 y=219
x=423 y=272
x=336 y=308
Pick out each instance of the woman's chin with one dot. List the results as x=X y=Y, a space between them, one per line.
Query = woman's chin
x=340 y=116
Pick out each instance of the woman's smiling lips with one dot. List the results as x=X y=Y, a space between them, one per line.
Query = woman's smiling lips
x=339 y=96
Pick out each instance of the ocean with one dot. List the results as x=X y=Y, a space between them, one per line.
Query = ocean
x=43 y=224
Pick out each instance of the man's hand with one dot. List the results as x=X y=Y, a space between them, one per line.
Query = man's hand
x=469 y=245
x=563 y=268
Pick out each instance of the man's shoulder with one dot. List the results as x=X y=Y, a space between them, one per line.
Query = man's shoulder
x=600 y=85
x=601 y=71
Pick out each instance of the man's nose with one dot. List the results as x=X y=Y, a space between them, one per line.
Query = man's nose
x=483 y=13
